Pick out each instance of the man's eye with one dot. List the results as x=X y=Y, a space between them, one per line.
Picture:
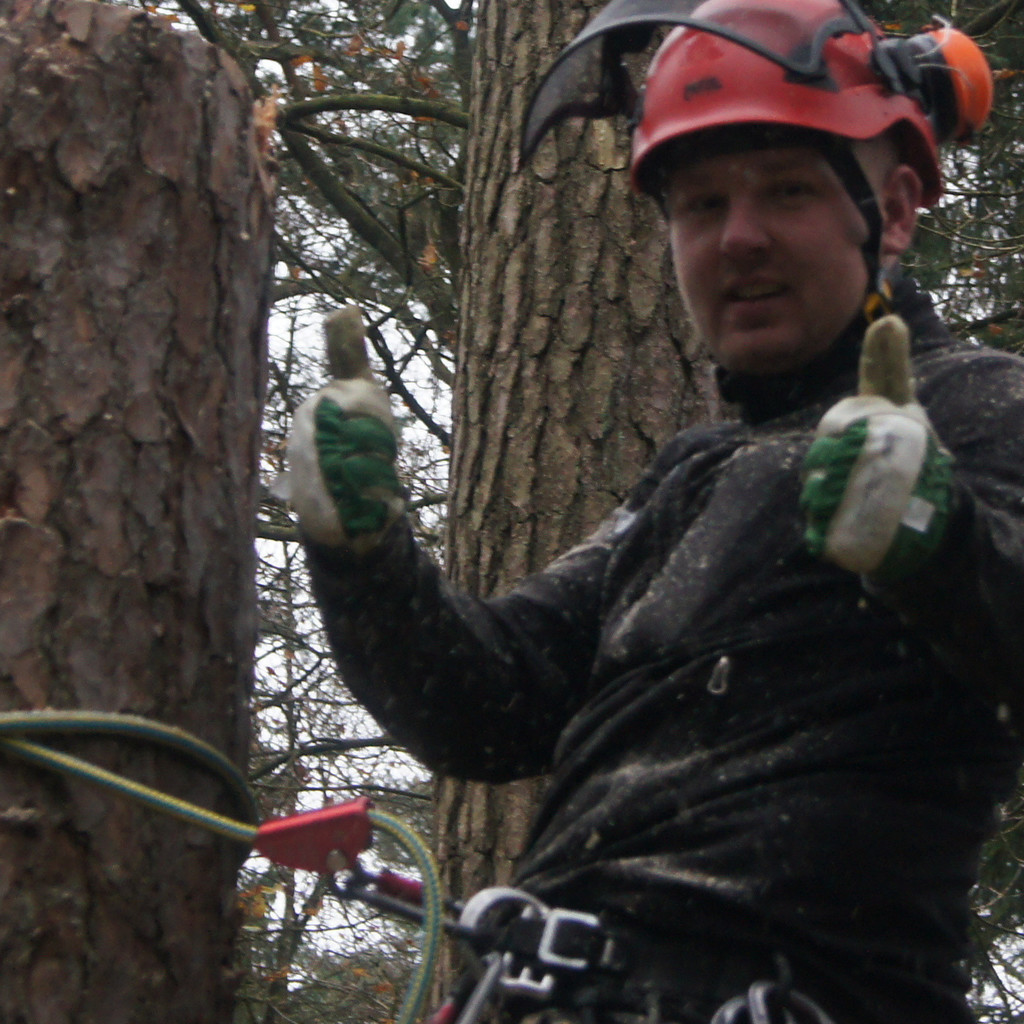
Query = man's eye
x=792 y=189
x=707 y=202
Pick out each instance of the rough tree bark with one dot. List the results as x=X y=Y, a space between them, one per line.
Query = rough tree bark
x=134 y=254
x=575 y=363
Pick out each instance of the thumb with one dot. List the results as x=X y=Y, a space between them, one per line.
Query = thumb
x=352 y=388
x=346 y=344
x=885 y=361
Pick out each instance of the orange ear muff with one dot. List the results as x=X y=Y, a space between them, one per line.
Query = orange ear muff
x=971 y=78
x=947 y=73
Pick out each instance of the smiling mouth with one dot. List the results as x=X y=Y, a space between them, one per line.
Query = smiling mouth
x=752 y=292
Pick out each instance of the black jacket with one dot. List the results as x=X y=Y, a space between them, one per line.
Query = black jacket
x=744 y=740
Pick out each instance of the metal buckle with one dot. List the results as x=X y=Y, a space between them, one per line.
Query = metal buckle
x=524 y=983
x=527 y=983
x=533 y=980
x=554 y=919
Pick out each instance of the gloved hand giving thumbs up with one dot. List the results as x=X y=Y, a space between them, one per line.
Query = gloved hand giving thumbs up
x=877 y=482
x=342 y=448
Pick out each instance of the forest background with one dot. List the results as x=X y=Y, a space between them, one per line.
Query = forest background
x=396 y=131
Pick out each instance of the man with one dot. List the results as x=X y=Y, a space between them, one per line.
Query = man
x=777 y=688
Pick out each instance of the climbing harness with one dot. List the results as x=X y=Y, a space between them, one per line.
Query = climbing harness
x=523 y=944
x=522 y=949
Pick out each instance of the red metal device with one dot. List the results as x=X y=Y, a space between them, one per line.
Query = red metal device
x=306 y=841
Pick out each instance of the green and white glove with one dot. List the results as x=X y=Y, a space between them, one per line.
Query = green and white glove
x=341 y=453
x=877 y=485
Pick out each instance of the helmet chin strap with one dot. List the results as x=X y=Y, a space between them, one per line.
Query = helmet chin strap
x=846 y=165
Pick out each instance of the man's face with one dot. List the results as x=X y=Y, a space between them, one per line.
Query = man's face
x=766 y=248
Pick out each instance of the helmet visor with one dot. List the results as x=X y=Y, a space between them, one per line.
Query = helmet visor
x=589 y=78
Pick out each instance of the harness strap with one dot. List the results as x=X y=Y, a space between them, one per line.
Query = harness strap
x=556 y=957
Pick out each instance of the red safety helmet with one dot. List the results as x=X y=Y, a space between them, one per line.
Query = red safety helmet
x=806 y=64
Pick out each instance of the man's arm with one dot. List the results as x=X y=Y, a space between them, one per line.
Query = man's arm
x=474 y=688
x=478 y=689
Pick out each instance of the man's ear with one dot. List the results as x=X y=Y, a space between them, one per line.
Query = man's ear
x=900 y=199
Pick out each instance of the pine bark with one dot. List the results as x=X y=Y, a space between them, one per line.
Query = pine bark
x=574 y=363
x=135 y=223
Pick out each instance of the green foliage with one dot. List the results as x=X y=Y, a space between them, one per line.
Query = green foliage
x=970 y=247
x=999 y=922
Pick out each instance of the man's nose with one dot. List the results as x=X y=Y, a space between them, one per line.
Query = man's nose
x=744 y=230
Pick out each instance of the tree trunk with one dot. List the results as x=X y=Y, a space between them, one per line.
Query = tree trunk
x=135 y=217
x=575 y=363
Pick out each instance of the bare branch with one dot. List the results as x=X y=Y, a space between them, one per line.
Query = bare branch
x=285 y=534
x=398 y=386
x=359 y=218
x=325 y=746
x=387 y=153
x=992 y=18
x=208 y=28
x=409 y=105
